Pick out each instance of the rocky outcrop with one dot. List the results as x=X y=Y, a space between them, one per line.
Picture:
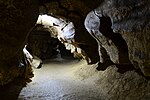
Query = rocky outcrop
x=92 y=24
x=124 y=27
x=75 y=11
x=62 y=29
x=16 y=19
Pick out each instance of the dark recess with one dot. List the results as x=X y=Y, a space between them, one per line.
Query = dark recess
x=120 y=43
x=125 y=64
x=105 y=29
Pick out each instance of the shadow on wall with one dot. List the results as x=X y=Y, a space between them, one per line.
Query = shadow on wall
x=87 y=42
x=120 y=43
x=105 y=29
x=12 y=90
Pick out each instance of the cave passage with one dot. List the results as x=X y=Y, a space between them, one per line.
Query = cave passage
x=53 y=68
x=44 y=46
x=56 y=81
x=52 y=37
x=68 y=50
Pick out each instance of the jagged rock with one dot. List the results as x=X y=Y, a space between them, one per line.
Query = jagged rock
x=92 y=24
x=65 y=32
x=75 y=11
x=16 y=20
x=126 y=23
x=63 y=29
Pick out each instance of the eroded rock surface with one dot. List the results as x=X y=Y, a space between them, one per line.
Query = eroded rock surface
x=64 y=31
x=75 y=11
x=92 y=24
x=114 y=85
x=125 y=24
x=16 y=19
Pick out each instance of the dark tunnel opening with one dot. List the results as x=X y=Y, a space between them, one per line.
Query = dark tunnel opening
x=90 y=48
x=41 y=44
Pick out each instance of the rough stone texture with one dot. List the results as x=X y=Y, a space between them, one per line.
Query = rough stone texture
x=16 y=18
x=60 y=28
x=114 y=85
x=75 y=11
x=42 y=45
x=130 y=18
x=92 y=24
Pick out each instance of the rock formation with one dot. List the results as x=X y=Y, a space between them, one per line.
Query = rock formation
x=16 y=20
x=124 y=28
x=116 y=33
x=75 y=11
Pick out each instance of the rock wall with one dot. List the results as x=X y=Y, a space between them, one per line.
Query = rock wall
x=121 y=28
x=18 y=17
x=75 y=11
x=16 y=20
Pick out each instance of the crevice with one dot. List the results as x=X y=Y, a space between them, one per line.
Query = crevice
x=124 y=62
x=122 y=68
x=120 y=43
x=141 y=73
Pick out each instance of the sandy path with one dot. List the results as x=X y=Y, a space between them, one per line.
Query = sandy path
x=55 y=81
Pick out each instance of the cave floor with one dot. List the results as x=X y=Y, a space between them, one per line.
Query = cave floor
x=55 y=80
x=68 y=79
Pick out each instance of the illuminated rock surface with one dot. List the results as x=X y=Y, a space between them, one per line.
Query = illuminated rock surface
x=118 y=42
x=123 y=31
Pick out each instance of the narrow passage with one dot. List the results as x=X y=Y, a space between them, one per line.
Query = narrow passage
x=56 y=81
